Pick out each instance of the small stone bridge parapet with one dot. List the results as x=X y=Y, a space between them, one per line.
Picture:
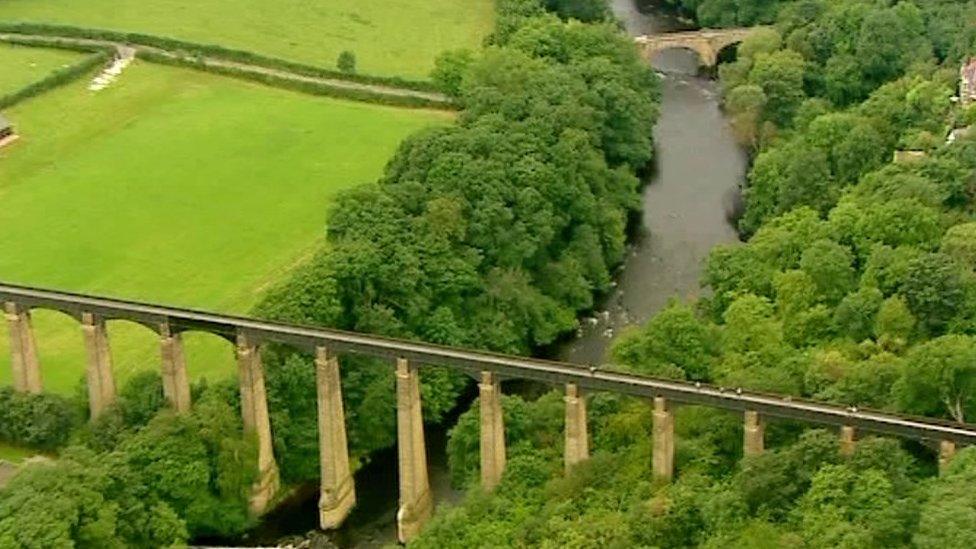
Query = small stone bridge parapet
x=707 y=43
x=246 y=337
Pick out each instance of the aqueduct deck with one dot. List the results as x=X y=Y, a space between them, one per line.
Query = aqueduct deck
x=249 y=334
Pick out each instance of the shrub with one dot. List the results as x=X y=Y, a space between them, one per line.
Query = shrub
x=42 y=421
x=347 y=62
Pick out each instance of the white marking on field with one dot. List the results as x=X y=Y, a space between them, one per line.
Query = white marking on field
x=107 y=76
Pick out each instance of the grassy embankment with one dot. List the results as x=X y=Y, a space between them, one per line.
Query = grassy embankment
x=178 y=187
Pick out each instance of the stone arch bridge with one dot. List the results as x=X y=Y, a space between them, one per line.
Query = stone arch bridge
x=707 y=43
x=246 y=336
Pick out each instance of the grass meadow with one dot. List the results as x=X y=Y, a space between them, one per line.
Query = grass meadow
x=20 y=65
x=178 y=187
x=389 y=37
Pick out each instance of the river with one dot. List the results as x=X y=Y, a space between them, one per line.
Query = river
x=697 y=165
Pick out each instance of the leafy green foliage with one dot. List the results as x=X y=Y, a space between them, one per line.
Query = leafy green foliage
x=832 y=56
x=160 y=482
x=44 y=421
x=673 y=344
x=855 y=287
x=346 y=62
x=939 y=378
x=950 y=501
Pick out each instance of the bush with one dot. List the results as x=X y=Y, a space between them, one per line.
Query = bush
x=347 y=62
x=42 y=422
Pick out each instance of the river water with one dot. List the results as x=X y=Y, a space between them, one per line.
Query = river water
x=698 y=165
x=698 y=168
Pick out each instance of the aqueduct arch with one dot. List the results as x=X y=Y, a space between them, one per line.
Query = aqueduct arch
x=416 y=503
x=707 y=43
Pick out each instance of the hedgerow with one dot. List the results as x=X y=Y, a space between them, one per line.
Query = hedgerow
x=56 y=78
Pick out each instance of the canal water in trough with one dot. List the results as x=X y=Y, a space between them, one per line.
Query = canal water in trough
x=698 y=167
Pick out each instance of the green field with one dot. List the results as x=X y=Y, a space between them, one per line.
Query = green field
x=179 y=187
x=389 y=37
x=20 y=66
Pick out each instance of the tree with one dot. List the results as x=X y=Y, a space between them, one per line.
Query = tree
x=847 y=508
x=959 y=242
x=934 y=290
x=783 y=178
x=780 y=75
x=449 y=70
x=675 y=343
x=939 y=378
x=761 y=40
x=347 y=62
x=888 y=39
x=835 y=377
x=772 y=482
x=42 y=421
x=86 y=501
x=843 y=80
x=852 y=145
x=745 y=104
x=894 y=319
x=829 y=265
x=855 y=316
x=948 y=516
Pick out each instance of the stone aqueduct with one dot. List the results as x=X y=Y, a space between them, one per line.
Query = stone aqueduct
x=416 y=503
x=707 y=43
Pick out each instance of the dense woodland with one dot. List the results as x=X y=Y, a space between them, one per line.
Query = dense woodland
x=856 y=285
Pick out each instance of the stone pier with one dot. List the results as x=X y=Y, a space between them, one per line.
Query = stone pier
x=662 y=458
x=254 y=412
x=176 y=384
x=338 y=492
x=947 y=451
x=416 y=501
x=848 y=440
x=492 y=431
x=577 y=436
x=98 y=373
x=753 y=434
x=23 y=349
